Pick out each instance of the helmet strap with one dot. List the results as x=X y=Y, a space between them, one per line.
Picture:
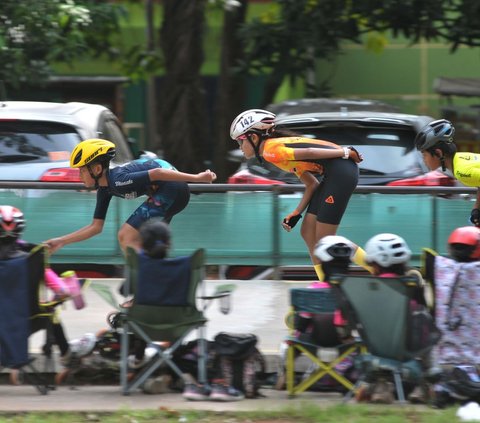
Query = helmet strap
x=95 y=177
x=256 y=147
x=442 y=162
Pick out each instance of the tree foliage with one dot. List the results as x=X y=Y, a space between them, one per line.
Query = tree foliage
x=287 y=41
x=452 y=21
x=34 y=34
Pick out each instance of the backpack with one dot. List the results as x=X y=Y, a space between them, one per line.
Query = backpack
x=460 y=384
x=241 y=364
x=422 y=333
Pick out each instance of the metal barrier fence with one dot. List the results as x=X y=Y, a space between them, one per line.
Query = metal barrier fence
x=241 y=224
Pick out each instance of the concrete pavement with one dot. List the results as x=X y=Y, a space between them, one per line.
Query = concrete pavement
x=109 y=398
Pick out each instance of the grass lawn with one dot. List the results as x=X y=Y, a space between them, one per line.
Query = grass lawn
x=357 y=413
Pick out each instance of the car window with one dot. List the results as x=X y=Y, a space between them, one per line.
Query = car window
x=113 y=132
x=37 y=142
x=385 y=150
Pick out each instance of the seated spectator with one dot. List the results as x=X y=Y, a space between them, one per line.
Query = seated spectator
x=335 y=253
x=12 y=225
x=155 y=238
x=457 y=295
x=389 y=256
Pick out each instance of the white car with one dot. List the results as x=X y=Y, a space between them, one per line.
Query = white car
x=36 y=138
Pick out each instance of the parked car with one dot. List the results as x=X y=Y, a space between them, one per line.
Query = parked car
x=386 y=141
x=36 y=138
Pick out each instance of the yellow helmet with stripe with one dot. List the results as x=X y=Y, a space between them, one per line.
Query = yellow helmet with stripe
x=90 y=151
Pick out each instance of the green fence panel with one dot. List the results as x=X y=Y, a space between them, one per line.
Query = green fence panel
x=239 y=228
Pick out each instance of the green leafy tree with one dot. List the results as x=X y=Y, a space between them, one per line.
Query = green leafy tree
x=34 y=34
x=288 y=40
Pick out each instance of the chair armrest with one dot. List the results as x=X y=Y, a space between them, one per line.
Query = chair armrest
x=221 y=291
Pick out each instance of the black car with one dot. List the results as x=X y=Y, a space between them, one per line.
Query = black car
x=322 y=105
x=386 y=141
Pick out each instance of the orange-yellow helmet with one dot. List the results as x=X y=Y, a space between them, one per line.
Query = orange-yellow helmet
x=91 y=150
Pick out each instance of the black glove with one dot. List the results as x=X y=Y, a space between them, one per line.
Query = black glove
x=475 y=217
x=293 y=220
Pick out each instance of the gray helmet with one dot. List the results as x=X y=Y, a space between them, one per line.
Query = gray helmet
x=436 y=132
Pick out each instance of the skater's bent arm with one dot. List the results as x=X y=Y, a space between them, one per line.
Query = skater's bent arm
x=160 y=174
x=81 y=234
x=311 y=184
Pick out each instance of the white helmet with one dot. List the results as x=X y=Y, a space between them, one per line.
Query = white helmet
x=334 y=247
x=386 y=250
x=261 y=120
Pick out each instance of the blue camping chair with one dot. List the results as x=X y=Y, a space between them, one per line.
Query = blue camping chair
x=20 y=282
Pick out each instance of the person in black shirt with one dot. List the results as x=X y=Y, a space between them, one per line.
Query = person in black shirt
x=166 y=190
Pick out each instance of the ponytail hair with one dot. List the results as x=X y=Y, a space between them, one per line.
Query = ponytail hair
x=277 y=132
x=155 y=238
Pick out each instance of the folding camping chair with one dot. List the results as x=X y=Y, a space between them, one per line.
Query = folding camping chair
x=164 y=311
x=20 y=280
x=379 y=308
x=322 y=304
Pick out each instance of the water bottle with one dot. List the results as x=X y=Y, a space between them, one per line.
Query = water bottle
x=73 y=284
x=55 y=283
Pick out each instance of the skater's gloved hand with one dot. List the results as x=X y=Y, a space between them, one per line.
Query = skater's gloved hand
x=475 y=217
x=355 y=155
x=291 y=220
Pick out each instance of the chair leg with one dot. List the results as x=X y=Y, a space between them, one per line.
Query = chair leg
x=37 y=379
x=202 y=357
x=290 y=370
x=124 y=347
x=398 y=385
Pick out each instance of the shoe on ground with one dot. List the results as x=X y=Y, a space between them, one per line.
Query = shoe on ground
x=158 y=385
x=382 y=393
x=419 y=395
x=194 y=392
x=280 y=382
x=14 y=377
x=136 y=363
x=62 y=376
x=363 y=393
x=225 y=393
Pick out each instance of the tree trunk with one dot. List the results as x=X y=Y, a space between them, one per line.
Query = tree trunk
x=184 y=128
x=231 y=91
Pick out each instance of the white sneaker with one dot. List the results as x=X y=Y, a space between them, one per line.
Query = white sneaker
x=136 y=363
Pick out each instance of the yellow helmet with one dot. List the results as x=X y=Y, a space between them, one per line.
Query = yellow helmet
x=91 y=150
